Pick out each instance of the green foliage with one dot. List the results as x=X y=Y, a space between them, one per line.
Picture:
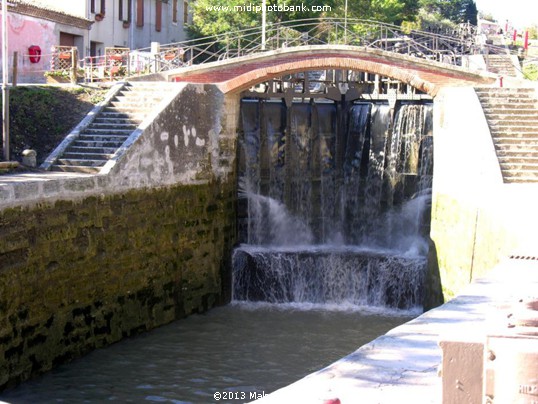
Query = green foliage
x=533 y=31
x=457 y=11
x=212 y=17
x=531 y=72
x=41 y=116
x=394 y=11
x=427 y=21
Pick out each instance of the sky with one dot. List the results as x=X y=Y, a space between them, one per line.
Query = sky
x=521 y=13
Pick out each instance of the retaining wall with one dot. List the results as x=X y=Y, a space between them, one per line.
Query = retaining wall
x=86 y=260
x=476 y=219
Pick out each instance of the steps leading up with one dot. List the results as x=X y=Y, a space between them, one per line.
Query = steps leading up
x=101 y=139
x=512 y=115
x=502 y=65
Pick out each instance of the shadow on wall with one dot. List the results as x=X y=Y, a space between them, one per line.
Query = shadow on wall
x=42 y=116
x=433 y=288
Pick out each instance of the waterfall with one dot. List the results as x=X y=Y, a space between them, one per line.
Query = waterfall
x=334 y=203
x=326 y=274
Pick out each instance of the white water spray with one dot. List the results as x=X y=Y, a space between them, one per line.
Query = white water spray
x=330 y=216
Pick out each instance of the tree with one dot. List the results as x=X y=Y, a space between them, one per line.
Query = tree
x=470 y=12
x=211 y=17
x=457 y=11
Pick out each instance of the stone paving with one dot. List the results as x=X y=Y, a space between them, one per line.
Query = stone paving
x=402 y=365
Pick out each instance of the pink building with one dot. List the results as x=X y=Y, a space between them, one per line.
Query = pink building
x=33 y=30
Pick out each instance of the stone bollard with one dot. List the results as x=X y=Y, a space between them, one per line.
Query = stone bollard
x=511 y=358
x=29 y=158
x=499 y=366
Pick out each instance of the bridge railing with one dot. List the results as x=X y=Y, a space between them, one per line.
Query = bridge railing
x=443 y=48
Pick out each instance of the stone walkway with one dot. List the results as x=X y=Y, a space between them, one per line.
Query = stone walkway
x=402 y=365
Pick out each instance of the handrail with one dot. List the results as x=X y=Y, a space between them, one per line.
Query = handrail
x=449 y=49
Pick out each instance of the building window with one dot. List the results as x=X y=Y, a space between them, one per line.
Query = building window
x=174 y=10
x=158 y=15
x=99 y=15
x=129 y=10
x=139 y=13
x=185 y=12
x=124 y=15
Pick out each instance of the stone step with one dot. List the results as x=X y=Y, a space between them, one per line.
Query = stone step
x=97 y=131
x=503 y=93
x=519 y=166
x=501 y=63
x=132 y=96
x=518 y=172
x=106 y=119
x=508 y=110
x=126 y=109
x=528 y=142
x=507 y=162
x=73 y=155
x=149 y=85
x=521 y=97
x=113 y=125
x=530 y=153
x=104 y=135
x=510 y=104
x=156 y=94
x=81 y=162
x=103 y=143
x=520 y=179
x=92 y=150
x=134 y=104
x=75 y=169
x=514 y=131
x=111 y=115
x=529 y=119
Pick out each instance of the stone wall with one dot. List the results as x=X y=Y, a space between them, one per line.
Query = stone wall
x=86 y=260
x=81 y=275
x=477 y=220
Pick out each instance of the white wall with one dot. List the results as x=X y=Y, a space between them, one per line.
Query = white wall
x=170 y=31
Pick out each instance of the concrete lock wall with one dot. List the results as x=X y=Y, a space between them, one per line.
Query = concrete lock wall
x=476 y=218
x=88 y=261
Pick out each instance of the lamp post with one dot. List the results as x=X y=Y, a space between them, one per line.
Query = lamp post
x=264 y=21
x=345 y=24
x=5 y=87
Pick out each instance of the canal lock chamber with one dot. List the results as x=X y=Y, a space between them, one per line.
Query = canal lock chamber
x=334 y=202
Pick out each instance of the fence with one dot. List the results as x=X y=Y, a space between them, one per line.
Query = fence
x=118 y=63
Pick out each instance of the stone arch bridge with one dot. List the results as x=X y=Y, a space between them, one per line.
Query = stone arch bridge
x=238 y=74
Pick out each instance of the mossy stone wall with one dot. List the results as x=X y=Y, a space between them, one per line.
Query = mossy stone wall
x=79 y=275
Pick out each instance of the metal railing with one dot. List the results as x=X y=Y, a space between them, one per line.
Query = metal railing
x=435 y=46
x=364 y=33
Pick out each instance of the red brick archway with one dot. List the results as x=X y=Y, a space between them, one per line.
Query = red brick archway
x=236 y=75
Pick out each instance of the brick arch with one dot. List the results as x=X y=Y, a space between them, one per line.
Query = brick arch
x=261 y=74
x=238 y=74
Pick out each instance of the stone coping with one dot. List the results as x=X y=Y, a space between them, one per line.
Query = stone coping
x=402 y=365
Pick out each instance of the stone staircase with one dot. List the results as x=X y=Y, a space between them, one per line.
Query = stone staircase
x=101 y=139
x=512 y=115
x=502 y=65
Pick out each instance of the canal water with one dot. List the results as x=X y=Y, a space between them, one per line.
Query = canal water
x=333 y=222
x=251 y=348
